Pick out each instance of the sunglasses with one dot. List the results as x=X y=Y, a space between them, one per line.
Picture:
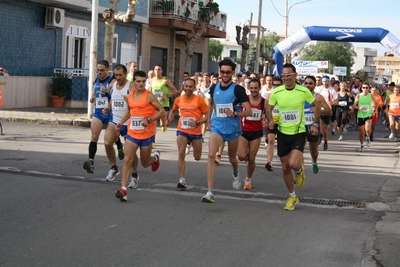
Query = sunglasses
x=222 y=72
x=364 y=87
x=287 y=75
x=306 y=83
x=101 y=69
x=276 y=84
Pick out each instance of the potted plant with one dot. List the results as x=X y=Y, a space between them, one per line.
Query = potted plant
x=60 y=86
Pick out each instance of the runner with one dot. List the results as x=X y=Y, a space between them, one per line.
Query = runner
x=291 y=128
x=393 y=108
x=376 y=110
x=342 y=110
x=144 y=111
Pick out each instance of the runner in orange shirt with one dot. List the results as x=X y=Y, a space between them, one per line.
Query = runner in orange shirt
x=193 y=112
x=144 y=111
x=393 y=108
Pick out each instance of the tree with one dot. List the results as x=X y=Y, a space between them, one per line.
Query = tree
x=204 y=16
x=362 y=75
x=214 y=49
x=338 y=54
x=243 y=42
x=111 y=17
x=267 y=44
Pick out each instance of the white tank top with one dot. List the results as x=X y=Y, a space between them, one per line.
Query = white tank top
x=119 y=106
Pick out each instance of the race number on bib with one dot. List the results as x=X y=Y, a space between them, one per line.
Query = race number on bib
x=309 y=118
x=185 y=122
x=136 y=123
x=365 y=108
x=342 y=103
x=221 y=109
x=255 y=115
x=159 y=95
x=119 y=104
x=394 y=105
x=290 y=116
x=101 y=102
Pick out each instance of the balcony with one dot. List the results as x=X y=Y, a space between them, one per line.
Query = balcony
x=182 y=14
x=82 y=5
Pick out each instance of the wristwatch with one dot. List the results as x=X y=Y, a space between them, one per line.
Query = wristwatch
x=148 y=120
x=315 y=124
x=198 y=123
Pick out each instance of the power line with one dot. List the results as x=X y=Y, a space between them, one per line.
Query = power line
x=277 y=9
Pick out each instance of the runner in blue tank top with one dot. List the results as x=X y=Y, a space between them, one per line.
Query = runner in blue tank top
x=225 y=105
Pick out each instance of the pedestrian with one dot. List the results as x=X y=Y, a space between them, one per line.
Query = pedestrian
x=226 y=100
x=193 y=113
x=101 y=98
x=252 y=131
x=291 y=138
x=144 y=111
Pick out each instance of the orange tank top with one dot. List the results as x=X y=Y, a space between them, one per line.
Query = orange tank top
x=140 y=109
x=394 y=108
x=190 y=109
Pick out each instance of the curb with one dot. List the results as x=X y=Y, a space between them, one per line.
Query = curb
x=85 y=123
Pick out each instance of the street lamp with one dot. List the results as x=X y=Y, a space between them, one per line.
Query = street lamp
x=288 y=57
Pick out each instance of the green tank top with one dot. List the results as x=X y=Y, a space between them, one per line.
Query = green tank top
x=160 y=89
x=364 y=106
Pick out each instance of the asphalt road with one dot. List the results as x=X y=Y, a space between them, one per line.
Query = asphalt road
x=53 y=213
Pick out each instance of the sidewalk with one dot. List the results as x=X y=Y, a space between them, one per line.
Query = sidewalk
x=47 y=115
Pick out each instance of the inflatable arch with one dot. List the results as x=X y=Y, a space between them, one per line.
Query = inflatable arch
x=338 y=34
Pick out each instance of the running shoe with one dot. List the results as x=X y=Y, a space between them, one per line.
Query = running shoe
x=333 y=132
x=237 y=182
x=164 y=129
x=291 y=203
x=122 y=195
x=121 y=153
x=134 y=182
x=269 y=167
x=217 y=159
x=187 y=150
x=300 y=177
x=156 y=164
x=266 y=143
x=368 y=141
x=340 y=138
x=344 y=129
x=208 y=197
x=202 y=139
x=361 y=149
x=315 y=168
x=326 y=146
x=112 y=173
x=153 y=145
x=88 y=166
x=247 y=184
x=391 y=137
x=182 y=184
x=246 y=159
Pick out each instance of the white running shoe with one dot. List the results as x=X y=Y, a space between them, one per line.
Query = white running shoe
x=112 y=173
x=237 y=182
x=391 y=136
x=187 y=150
x=134 y=182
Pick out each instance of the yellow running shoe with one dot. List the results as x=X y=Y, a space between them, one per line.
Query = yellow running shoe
x=164 y=129
x=300 y=177
x=153 y=145
x=291 y=203
x=217 y=159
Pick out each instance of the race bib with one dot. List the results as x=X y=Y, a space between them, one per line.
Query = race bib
x=101 y=102
x=136 y=123
x=159 y=94
x=343 y=103
x=185 y=122
x=255 y=115
x=309 y=118
x=119 y=104
x=365 y=108
x=275 y=111
x=394 y=105
x=221 y=109
x=290 y=117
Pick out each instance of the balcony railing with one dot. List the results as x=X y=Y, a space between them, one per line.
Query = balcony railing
x=186 y=11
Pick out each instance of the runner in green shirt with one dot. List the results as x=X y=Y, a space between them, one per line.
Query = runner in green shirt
x=291 y=138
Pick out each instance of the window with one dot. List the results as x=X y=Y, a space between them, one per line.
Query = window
x=77 y=48
x=233 y=53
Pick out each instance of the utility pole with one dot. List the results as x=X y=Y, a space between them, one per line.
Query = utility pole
x=93 y=54
x=248 y=51
x=257 y=59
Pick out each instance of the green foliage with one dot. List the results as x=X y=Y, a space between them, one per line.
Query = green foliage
x=362 y=75
x=266 y=46
x=165 y=6
x=338 y=54
x=61 y=84
x=214 y=48
x=208 y=10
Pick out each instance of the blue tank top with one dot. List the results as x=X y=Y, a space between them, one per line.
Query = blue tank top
x=224 y=99
x=101 y=99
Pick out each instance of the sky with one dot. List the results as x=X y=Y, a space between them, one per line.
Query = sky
x=336 y=13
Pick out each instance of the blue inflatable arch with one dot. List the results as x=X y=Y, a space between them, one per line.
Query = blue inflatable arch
x=338 y=34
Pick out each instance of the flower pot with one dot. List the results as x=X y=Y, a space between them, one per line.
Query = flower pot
x=57 y=101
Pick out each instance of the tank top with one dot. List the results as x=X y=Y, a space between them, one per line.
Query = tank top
x=309 y=115
x=119 y=106
x=253 y=123
x=394 y=108
x=364 y=106
x=343 y=101
x=160 y=89
x=101 y=99
x=190 y=109
x=140 y=109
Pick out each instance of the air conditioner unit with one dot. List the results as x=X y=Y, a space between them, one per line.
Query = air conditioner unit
x=54 y=17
